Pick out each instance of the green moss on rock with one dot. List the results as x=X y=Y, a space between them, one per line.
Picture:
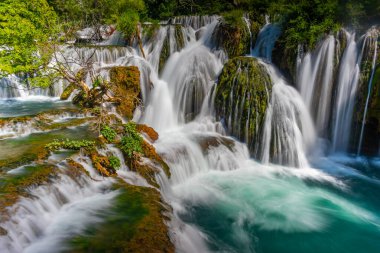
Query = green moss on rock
x=233 y=36
x=242 y=97
x=67 y=92
x=126 y=87
x=134 y=224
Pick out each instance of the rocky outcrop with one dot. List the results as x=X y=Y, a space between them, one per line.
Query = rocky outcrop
x=168 y=47
x=371 y=136
x=233 y=37
x=125 y=85
x=242 y=96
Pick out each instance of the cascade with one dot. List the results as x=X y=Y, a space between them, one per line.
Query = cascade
x=347 y=85
x=196 y=22
x=373 y=69
x=54 y=211
x=186 y=80
x=288 y=131
x=315 y=82
x=266 y=40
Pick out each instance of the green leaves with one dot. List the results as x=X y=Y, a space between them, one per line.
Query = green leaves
x=114 y=162
x=26 y=27
x=108 y=133
x=132 y=141
x=70 y=144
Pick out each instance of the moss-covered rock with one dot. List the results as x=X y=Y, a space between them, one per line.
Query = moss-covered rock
x=148 y=131
x=67 y=92
x=233 y=37
x=16 y=186
x=242 y=97
x=166 y=48
x=371 y=137
x=102 y=164
x=148 y=163
x=136 y=223
x=125 y=83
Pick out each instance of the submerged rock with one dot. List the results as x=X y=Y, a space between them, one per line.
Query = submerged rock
x=125 y=83
x=242 y=96
x=135 y=223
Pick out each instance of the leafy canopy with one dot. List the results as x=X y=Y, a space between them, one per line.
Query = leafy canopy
x=26 y=27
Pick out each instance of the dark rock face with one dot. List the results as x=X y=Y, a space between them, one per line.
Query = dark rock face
x=371 y=135
x=242 y=96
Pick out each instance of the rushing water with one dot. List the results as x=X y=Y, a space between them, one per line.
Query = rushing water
x=293 y=200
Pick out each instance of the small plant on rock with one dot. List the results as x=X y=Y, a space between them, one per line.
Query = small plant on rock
x=108 y=133
x=132 y=141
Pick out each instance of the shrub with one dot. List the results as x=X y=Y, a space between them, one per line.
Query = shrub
x=70 y=144
x=114 y=162
x=108 y=133
x=131 y=141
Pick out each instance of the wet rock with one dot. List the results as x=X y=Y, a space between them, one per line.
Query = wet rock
x=102 y=164
x=125 y=83
x=242 y=97
x=148 y=131
x=234 y=38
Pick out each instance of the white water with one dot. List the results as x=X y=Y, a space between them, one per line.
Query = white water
x=207 y=166
x=329 y=85
x=374 y=39
x=289 y=133
x=265 y=41
x=315 y=82
x=54 y=213
x=348 y=79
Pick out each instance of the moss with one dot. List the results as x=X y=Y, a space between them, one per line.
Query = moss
x=15 y=186
x=165 y=51
x=242 y=97
x=147 y=163
x=233 y=37
x=126 y=87
x=19 y=151
x=75 y=169
x=67 y=92
x=134 y=224
x=164 y=55
x=179 y=37
x=149 y=131
x=102 y=164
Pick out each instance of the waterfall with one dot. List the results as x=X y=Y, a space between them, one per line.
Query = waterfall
x=315 y=82
x=288 y=132
x=196 y=22
x=373 y=69
x=265 y=42
x=186 y=80
x=347 y=85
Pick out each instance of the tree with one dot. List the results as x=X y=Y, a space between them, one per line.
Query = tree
x=26 y=29
x=32 y=44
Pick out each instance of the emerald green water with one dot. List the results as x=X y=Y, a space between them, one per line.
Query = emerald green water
x=20 y=107
x=277 y=210
x=21 y=150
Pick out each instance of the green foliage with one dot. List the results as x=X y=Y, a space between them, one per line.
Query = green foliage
x=26 y=28
x=70 y=144
x=127 y=23
x=114 y=162
x=234 y=18
x=132 y=141
x=108 y=133
x=304 y=22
